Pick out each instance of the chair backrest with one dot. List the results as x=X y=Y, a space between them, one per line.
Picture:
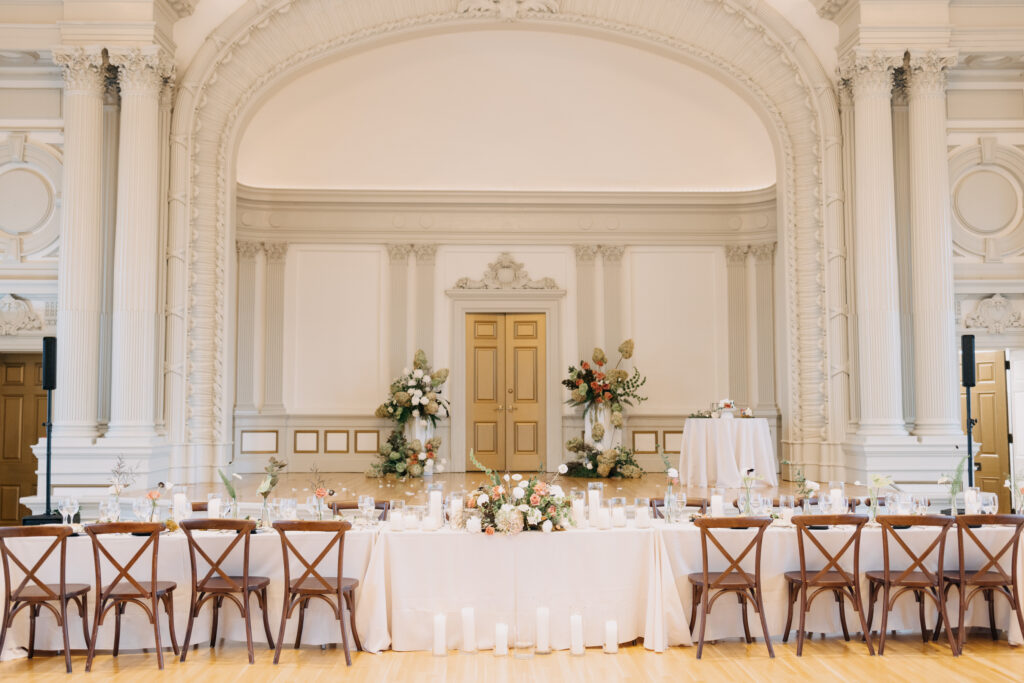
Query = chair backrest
x=918 y=561
x=706 y=524
x=337 y=505
x=243 y=530
x=338 y=528
x=832 y=560
x=200 y=506
x=150 y=529
x=1012 y=546
x=59 y=534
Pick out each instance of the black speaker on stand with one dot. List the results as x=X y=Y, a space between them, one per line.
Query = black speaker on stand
x=49 y=384
x=968 y=380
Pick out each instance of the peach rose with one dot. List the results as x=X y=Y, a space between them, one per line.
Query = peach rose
x=490 y=531
x=535 y=500
x=153 y=495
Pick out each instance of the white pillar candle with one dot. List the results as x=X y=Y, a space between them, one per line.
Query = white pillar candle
x=717 y=506
x=837 y=501
x=500 y=640
x=576 y=634
x=604 y=518
x=611 y=637
x=970 y=502
x=473 y=525
x=397 y=520
x=579 y=513
x=618 y=516
x=594 y=502
x=435 y=510
x=468 y=630
x=543 y=629
x=440 y=637
x=643 y=518
x=181 y=510
x=213 y=508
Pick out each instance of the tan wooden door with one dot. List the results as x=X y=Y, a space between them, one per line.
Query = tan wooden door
x=22 y=412
x=989 y=408
x=505 y=369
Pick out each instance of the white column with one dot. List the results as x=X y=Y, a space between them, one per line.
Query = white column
x=399 y=277
x=612 y=257
x=259 y=329
x=136 y=252
x=736 y=275
x=585 y=255
x=753 y=333
x=163 y=184
x=881 y=403
x=111 y=125
x=937 y=396
x=80 y=266
x=425 y=255
x=273 y=355
x=901 y=196
x=599 y=306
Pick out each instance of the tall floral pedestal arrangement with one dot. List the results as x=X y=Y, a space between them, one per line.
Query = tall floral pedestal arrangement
x=415 y=404
x=604 y=394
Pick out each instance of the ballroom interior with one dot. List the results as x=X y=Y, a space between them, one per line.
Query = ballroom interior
x=243 y=219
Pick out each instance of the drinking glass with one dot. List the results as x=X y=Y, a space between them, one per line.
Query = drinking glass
x=367 y=506
x=72 y=508
x=891 y=499
x=787 y=508
x=824 y=503
x=989 y=503
x=416 y=513
x=920 y=505
x=142 y=508
x=227 y=507
x=104 y=508
x=289 y=508
x=756 y=504
x=675 y=511
x=618 y=511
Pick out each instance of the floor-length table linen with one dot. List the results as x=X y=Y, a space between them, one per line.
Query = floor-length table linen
x=718 y=452
x=173 y=565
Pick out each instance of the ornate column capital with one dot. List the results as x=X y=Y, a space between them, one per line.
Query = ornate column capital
x=585 y=253
x=612 y=252
x=247 y=248
x=927 y=72
x=736 y=254
x=142 y=69
x=399 y=253
x=869 y=73
x=83 y=68
x=763 y=252
x=276 y=251
x=425 y=253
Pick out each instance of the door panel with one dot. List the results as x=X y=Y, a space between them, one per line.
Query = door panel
x=989 y=407
x=505 y=358
x=22 y=411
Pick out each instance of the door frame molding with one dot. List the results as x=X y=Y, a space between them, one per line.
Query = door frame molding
x=546 y=301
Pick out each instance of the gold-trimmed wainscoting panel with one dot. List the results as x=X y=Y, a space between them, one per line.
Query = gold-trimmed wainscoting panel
x=367 y=441
x=645 y=442
x=336 y=441
x=306 y=441
x=259 y=442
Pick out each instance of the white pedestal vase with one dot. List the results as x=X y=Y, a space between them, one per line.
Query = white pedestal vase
x=417 y=429
x=600 y=413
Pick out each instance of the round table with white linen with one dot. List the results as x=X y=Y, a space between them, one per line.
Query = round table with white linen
x=718 y=452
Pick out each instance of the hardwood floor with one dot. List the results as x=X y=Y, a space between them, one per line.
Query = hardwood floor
x=906 y=659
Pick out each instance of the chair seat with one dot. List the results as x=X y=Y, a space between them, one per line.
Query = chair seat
x=127 y=590
x=731 y=582
x=913 y=579
x=993 y=579
x=827 y=580
x=218 y=584
x=36 y=594
x=314 y=585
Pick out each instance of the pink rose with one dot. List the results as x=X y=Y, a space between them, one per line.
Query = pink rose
x=535 y=500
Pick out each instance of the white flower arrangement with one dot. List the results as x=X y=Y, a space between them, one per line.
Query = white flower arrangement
x=563 y=468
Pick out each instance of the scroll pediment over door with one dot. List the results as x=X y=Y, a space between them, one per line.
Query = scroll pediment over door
x=505 y=273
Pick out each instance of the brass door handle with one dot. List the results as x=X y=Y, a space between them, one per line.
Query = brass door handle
x=512 y=408
x=500 y=408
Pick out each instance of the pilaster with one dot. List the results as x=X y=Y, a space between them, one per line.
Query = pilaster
x=761 y=305
x=613 y=323
x=398 y=255
x=585 y=297
x=425 y=257
x=736 y=277
x=244 y=333
x=273 y=393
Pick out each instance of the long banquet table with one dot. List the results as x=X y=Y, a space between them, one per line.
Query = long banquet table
x=634 y=576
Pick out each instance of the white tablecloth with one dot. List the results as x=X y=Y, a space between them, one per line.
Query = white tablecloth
x=265 y=560
x=719 y=452
x=780 y=554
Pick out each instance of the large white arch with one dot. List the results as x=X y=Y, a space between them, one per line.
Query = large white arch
x=745 y=43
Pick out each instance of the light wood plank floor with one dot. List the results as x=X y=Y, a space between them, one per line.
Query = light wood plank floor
x=906 y=659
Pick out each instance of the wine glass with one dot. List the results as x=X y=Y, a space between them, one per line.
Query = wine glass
x=367 y=505
x=787 y=508
x=920 y=505
x=989 y=503
x=142 y=508
x=824 y=503
x=71 y=506
x=289 y=508
x=756 y=504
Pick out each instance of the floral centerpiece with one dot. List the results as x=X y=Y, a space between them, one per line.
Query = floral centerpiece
x=122 y=477
x=805 y=488
x=416 y=404
x=616 y=462
x=318 y=485
x=748 y=481
x=511 y=504
x=700 y=414
x=273 y=470
x=876 y=484
x=230 y=488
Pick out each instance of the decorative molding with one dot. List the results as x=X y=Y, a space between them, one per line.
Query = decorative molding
x=83 y=68
x=612 y=253
x=505 y=273
x=869 y=73
x=425 y=253
x=586 y=253
x=143 y=69
x=736 y=254
x=399 y=253
x=276 y=251
x=509 y=10
x=927 y=72
x=17 y=315
x=764 y=252
x=994 y=315
x=248 y=249
x=830 y=9
x=183 y=8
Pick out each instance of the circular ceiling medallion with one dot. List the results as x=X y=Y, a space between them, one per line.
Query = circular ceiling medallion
x=987 y=201
x=27 y=201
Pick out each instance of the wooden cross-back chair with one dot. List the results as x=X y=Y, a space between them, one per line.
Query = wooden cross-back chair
x=734 y=579
x=339 y=505
x=125 y=589
x=32 y=593
x=658 y=506
x=921 y=577
x=214 y=589
x=312 y=584
x=990 y=578
x=831 y=578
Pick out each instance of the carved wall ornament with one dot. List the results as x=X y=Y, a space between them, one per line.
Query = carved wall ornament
x=425 y=253
x=505 y=273
x=612 y=252
x=736 y=254
x=869 y=73
x=247 y=248
x=83 y=69
x=995 y=315
x=276 y=251
x=762 y=252
x=142 y=69
x=927 y=72
x=585 y=252
x=509 y=10
x=399 y=253
x=17 y=315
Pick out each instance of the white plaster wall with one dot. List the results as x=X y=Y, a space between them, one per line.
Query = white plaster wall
x=506 y=109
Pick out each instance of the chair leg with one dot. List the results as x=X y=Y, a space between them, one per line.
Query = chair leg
x=192 y=614
x=743 y=611
x=872 y=597
x=695 y=598
x=858 y=605
x=954 y=646
x=936 y=632
x=789 y=612
x=919 y=596
x=118 y=611
x=83 y=611
x=32 y=612
x=344 y=633
x=169 y=606
x=350 y=600
x=885 y=619
x=302 y=617
x=215 y=603
x=284 y=620
x=156 y=634
x=703 y=620
x=247 y=613
x=842 y=614
x=64 y=632
x=262 y=597
x=759 y=606
x=991 y=614
x=802 y=623
x=95 y=632
x=3 y=625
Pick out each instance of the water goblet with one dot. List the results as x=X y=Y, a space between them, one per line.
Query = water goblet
x=756 y=504
x=920 y=504
x=787 y=508
x=72 y=509
x=989 y=503
x=142 y=508
x=824 y=503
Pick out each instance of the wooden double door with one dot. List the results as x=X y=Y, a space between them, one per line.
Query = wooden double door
x=505 y=370
x=22 y=412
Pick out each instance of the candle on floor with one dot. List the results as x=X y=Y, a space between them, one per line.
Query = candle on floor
x=643 y=518
x=576 y=634
x=611 y=637
x=717 y=506
x=213 y=508
x=500 y=639
x=468 y=630
x=440 y=638
x=543 y=630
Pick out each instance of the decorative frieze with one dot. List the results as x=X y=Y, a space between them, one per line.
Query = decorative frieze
x=509 y=10
x=17 y=315
x=995 y=315
x=505 y=273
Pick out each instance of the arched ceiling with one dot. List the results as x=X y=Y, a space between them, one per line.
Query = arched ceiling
x=507 y=109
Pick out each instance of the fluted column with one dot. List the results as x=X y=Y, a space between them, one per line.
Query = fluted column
x=901 y=176
x=259 y=328
x=613 y=324
x=111 y=125
x=736 y=277
x=399 y=276
x=762 y=303
x=80 y=266
x=585 y=255
x=425 y=257
x=273 y=355
x=881 y=403
x=937 y=398
x=136 y=251
x=244 y=332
